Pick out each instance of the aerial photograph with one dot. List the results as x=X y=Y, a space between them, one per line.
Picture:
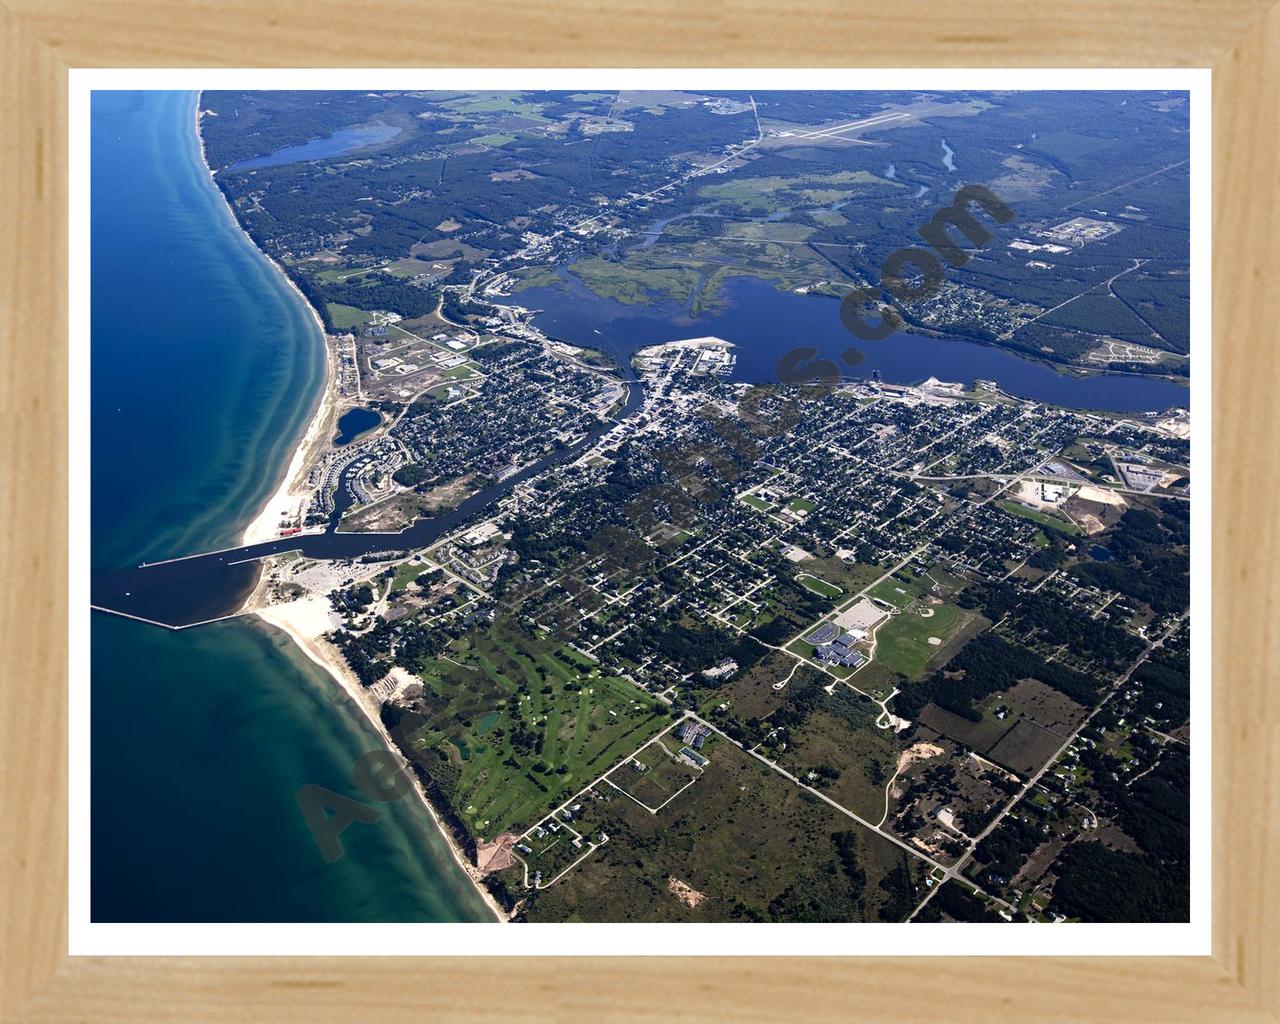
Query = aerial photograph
x=640 y=506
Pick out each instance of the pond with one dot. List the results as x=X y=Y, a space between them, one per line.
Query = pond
x=353 y=423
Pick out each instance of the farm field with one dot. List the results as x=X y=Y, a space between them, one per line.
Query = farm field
x=1037 y=719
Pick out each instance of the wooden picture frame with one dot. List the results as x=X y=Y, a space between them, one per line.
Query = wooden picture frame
x=42 y=39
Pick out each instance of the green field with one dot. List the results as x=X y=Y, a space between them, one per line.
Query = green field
x=820 y=587
x=769 y=231
x=903 y=645
x=801 y=505
x=766 y=194
x=346 y=317
x=494 y=103
x=849 y=576
x=333 y=276
x=1036 y=516
x=895 y=591
x=759 y=504
x=514 y=724
x=497 y=139
x=406 y=574
x=408 y=268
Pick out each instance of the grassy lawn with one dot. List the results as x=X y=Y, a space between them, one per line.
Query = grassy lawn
x=801 y=505
x=346 y=317
x=820 y=587
x=902 y=643
x=895 y=591
x=408 y=268
x=849 y=576
x=518 y=724
x=406 y=574
x=1036 y=516
x=333 y=276
x=759 y=504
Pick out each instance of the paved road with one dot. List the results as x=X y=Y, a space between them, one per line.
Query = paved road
x=1119 y=682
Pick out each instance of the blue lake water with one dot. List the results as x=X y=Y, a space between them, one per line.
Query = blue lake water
x=765 y=323
x=340 y=143
x=205 y=368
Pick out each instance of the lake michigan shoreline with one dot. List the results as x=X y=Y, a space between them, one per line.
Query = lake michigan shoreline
x=298 y=620
x=288 y=494
x=291 y=619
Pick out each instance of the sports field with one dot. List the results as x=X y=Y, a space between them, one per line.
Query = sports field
x=904 y=642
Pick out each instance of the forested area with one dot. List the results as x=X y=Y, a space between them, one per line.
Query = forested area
x=986 y=665
x=1149 y=558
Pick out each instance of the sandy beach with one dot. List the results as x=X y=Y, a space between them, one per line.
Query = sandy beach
x=306 y=621
x=291 y=498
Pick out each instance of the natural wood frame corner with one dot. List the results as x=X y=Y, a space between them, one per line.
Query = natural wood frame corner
x=41 y=39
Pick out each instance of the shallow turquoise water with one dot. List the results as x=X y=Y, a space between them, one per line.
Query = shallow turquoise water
x=205 y=367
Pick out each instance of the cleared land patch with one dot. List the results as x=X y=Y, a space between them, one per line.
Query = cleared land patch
x=753 y=844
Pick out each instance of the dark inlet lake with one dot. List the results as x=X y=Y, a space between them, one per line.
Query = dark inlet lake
x=765 y=323
x=340 y=143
